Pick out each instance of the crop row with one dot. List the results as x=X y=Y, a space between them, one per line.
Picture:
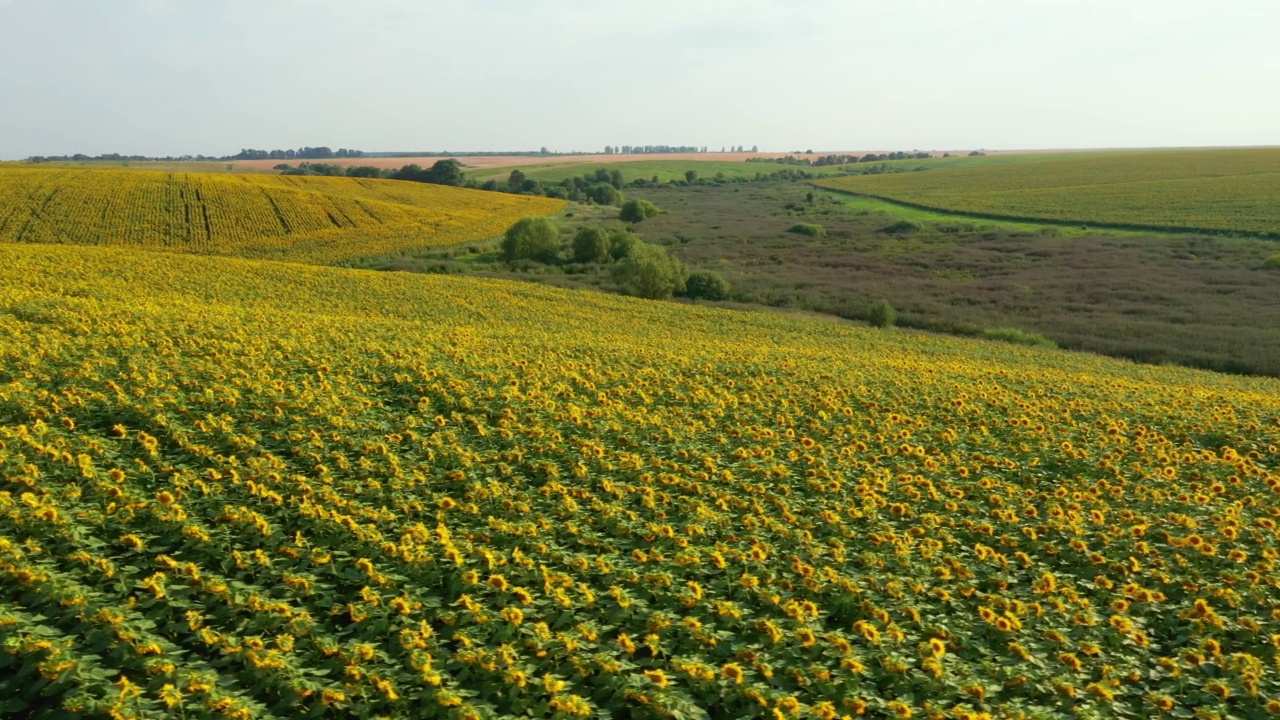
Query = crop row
x=302 y=219
x=447 y=497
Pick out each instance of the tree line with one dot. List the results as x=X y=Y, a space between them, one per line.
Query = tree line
x=600 y=186
x=639 y=268
x=671 y=149
x=827 y=160
x=303 y=153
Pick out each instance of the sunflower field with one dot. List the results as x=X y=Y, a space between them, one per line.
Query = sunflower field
x=317 y=220
x=1193 y=190
x=242 y=489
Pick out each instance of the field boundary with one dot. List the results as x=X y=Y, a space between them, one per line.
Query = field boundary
x=1184 y=230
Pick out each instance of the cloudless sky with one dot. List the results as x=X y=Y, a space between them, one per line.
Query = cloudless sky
x=161 y=77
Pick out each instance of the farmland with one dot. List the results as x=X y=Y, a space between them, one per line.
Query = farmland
x=495 y=162
x=245 y=489
x=302 y=219
x=663 y=170
x=1198 y=300
x=1193 y=190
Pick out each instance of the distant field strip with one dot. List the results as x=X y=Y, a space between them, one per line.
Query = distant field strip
x=316 y=220
x=1209 y=190
x=663 y=170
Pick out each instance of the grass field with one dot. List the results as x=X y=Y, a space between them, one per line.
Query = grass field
x=303 y=219
x=245 y=489
x=664 y=170
x=1194 y=190
x=1203 y=301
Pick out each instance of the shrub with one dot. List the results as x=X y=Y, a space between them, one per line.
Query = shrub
x=952 y=228
x=1018 y=337
x=649 y=272
x=882 y=315
x=809 y=229
x=531 y=239
x=604 y=194
x=706 y=286
x=902 y=226
x=1272 y=263
x=634 y=211
x=621 y=242
x=591 y=245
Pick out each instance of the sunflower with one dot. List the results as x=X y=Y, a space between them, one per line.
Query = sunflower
x=657 y=677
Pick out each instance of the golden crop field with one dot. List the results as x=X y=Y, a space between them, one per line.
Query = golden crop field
x=244 y=489
x=1198 y=190
x=317 y=220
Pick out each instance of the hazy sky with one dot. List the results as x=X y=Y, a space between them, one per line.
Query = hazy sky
x=161 y=77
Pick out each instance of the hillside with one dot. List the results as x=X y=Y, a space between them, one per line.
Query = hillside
x=663 y=170
x=1194 y=190
x=236 y=488
x=301 y=219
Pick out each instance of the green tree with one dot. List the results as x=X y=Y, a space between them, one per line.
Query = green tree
x=882 y=314
x=515 y=181
x=634 y=211
x=531 y=239
x=446 y=172
x=621 y=242
x=706 y=286
x=649 y=272
x=691 y=176
x=604 y=194
x=591 y=245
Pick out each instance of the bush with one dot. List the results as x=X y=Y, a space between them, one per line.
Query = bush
x=706 y=286
x=531 y=239
x=591 y=245
x=809 y=229
x=649 y=272
x=902 y=226
x=1019 y=337
x=604 y=194
x=621 y=242
x=1272 y=263
x=634 y=211
x=882 y=315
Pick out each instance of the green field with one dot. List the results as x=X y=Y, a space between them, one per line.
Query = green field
x=1198 y=300
x=664 y=170
x=1192 y=190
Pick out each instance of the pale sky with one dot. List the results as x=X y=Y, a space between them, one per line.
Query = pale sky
x=161 y=77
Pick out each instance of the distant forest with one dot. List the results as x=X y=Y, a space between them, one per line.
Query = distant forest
x=843 y=159
x=303 y=153
x=326 y=153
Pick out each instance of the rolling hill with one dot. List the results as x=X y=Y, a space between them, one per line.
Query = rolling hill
x=301 y=219
x=1185 y=190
